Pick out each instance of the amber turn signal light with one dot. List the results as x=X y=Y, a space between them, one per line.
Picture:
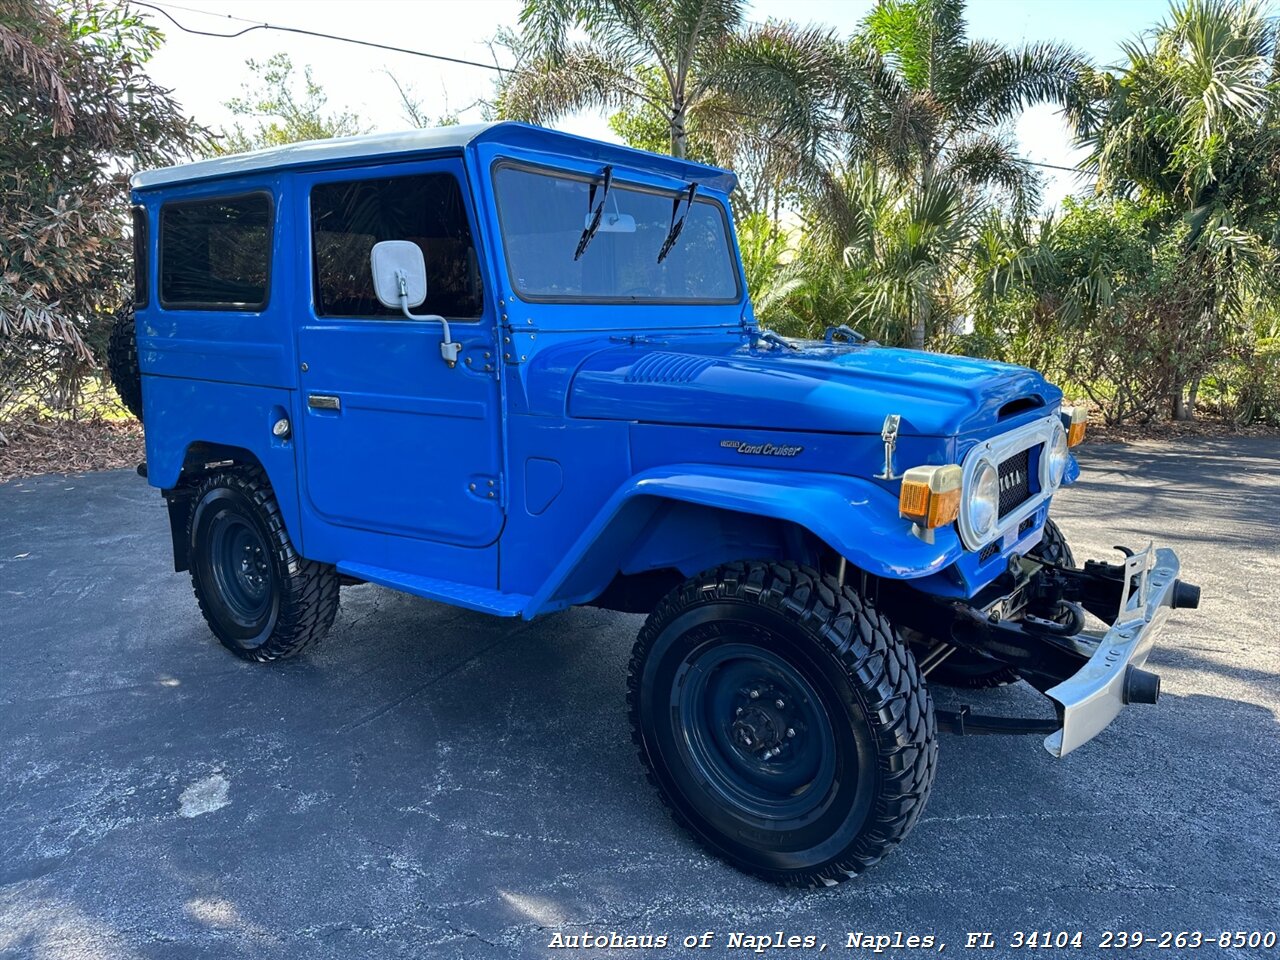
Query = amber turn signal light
x=1075 y=419
x=930 y=496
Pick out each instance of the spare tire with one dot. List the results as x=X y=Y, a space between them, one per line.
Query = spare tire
x=122 y=360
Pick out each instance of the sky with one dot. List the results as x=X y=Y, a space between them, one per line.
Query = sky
x=205 y=72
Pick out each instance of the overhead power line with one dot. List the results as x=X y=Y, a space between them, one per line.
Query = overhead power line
x=256 y=25
x=164 y=8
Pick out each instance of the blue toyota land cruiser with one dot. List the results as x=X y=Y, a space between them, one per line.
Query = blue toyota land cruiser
x=515 y=370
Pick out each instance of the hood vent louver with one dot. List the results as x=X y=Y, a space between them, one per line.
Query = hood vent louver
x=1021 y=405
x=668 y=368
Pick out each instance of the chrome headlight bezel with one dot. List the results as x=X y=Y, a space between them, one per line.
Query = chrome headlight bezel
x=982 y=498
x=997 y=449
x=1057 y=456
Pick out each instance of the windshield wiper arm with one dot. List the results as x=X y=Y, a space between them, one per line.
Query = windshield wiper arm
x=594 y=211
x=677 y=223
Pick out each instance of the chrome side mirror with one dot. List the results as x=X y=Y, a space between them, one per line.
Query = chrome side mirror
x=400 y=280
x=399 y=273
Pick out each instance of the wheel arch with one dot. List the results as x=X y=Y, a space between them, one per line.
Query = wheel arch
x=200 y=458
x=690 y=518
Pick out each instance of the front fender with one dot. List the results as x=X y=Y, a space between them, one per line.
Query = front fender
x=855 y=517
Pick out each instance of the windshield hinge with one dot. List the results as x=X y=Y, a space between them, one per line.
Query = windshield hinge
x=518 y=339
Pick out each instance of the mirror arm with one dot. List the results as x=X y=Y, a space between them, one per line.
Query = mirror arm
x=448 y=348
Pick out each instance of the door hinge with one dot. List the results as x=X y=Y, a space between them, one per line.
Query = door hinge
x=485 y=487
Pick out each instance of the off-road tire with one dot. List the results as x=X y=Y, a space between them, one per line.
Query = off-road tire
x=866 y=679
x=1053 y=547
x=968 y=671
x=122 y=360
x=235 y=510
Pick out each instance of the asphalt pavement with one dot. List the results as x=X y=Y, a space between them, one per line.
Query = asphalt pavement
x=433 y=783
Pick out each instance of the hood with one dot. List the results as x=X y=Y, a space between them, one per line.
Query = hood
x=819 y=387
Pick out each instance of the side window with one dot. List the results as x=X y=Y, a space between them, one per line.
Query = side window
x=216 y=253
x=348 y=218
x=141 y=274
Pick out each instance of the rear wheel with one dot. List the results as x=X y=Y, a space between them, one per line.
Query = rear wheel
x=262 y=601
x=968 y=670
x=783 y=722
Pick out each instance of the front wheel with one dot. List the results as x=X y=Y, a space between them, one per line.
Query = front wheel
x=262 y=601
x=783 y=721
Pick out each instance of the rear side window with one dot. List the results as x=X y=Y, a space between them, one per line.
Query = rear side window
x=141 y=284
x=348 y=218
x=215 y=254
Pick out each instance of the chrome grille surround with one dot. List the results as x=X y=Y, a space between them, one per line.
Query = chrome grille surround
x=997 y=451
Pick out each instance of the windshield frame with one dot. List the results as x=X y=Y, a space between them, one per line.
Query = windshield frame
x=621 y=181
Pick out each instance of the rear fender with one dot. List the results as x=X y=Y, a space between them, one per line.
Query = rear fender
x=190 y=424
x=854 y=517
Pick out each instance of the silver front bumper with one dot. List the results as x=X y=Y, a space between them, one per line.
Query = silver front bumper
x=1094 y=696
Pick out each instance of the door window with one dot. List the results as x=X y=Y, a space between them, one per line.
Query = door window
x=348 y=218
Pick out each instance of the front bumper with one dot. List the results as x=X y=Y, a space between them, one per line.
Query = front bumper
x=1090 y=699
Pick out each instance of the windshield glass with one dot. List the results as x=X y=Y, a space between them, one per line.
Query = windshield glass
x=544 y=216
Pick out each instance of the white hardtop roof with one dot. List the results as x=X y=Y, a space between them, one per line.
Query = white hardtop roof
x=313 y=151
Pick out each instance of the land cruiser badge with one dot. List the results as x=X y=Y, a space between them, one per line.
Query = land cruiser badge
x=763 y=449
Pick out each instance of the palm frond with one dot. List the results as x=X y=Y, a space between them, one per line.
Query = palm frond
x=999 y=84
x=777 y=78
x=988 y=161
x=581 y=78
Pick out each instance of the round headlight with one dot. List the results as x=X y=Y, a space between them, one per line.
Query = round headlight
x=983 y=502
x=1058 y=455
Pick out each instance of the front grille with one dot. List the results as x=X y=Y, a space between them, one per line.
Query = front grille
x=1015 y=482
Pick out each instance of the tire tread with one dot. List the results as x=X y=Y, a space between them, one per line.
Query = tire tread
x=895 y=697
x=309 y=589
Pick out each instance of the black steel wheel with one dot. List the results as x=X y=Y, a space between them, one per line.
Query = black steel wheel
x=262 y=601
x=967 y=670
x=783 y=722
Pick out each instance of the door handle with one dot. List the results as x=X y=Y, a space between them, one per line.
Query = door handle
x=323 y=401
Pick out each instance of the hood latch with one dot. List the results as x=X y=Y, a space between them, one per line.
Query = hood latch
x=889 y=434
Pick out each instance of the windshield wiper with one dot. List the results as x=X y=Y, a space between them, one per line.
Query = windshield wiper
x=677 y=224
x=594 y=211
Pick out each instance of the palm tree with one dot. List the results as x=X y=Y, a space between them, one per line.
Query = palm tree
x=1191 y=122
x=695 y=62
x=922 y=101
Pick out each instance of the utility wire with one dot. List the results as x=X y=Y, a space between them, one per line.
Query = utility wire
x=163 y=10
x=255 y=25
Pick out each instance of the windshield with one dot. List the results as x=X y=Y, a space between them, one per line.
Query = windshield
x=544 y=216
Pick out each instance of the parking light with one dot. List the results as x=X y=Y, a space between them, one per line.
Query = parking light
x=930 y=497
x=1075 y=419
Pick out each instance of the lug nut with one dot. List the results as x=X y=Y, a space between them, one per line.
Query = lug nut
x=790 y=732
x=755 y=694
x=779 y=704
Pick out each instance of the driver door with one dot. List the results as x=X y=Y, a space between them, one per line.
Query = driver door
x=394 y=441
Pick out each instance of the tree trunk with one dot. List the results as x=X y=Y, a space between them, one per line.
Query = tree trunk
x=1180 y=401
x=917 y=334
x=679 y=134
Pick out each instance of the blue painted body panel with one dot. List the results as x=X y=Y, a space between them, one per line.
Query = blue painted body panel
x=582 y=441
